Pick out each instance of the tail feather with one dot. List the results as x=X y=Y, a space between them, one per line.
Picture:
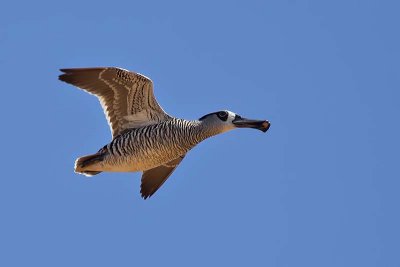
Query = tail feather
x=82 y=164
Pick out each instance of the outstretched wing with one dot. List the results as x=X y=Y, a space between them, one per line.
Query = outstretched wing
x=127 y=98
x=154 y=178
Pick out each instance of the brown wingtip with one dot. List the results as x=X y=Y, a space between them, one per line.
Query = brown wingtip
x=146 y=193
x=76 y=76
x=65 y=77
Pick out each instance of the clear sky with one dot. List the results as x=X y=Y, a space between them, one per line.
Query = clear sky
x=320 y=188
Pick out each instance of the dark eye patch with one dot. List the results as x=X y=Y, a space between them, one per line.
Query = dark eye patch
x=222 y=115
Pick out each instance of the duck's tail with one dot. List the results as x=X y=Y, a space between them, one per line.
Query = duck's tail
x=87 y=165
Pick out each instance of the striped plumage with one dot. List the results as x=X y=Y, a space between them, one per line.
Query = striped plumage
x=149 y=146
x=145 y=138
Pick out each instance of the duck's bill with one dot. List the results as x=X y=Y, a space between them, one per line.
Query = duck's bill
x=248 y=123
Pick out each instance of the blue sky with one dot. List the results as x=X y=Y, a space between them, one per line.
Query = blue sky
x=321 y=188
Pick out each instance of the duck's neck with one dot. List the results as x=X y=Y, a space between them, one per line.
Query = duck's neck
x=203 y=130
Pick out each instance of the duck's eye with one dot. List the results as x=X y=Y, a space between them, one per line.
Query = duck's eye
x=223 y=115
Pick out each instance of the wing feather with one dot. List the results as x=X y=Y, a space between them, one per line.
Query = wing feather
x=154 y=178
x=127 y=98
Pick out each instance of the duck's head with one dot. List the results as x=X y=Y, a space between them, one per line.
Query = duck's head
x=226 y=120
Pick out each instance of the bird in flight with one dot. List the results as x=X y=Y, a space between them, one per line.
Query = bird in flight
x=144 y=137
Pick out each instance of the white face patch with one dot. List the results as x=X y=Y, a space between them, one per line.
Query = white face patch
x=231 y=116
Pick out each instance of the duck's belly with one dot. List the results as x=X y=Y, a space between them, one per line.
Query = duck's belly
x=131 y=164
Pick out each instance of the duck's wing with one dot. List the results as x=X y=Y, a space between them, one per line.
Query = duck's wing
x=154 y=178
x=127 y=97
